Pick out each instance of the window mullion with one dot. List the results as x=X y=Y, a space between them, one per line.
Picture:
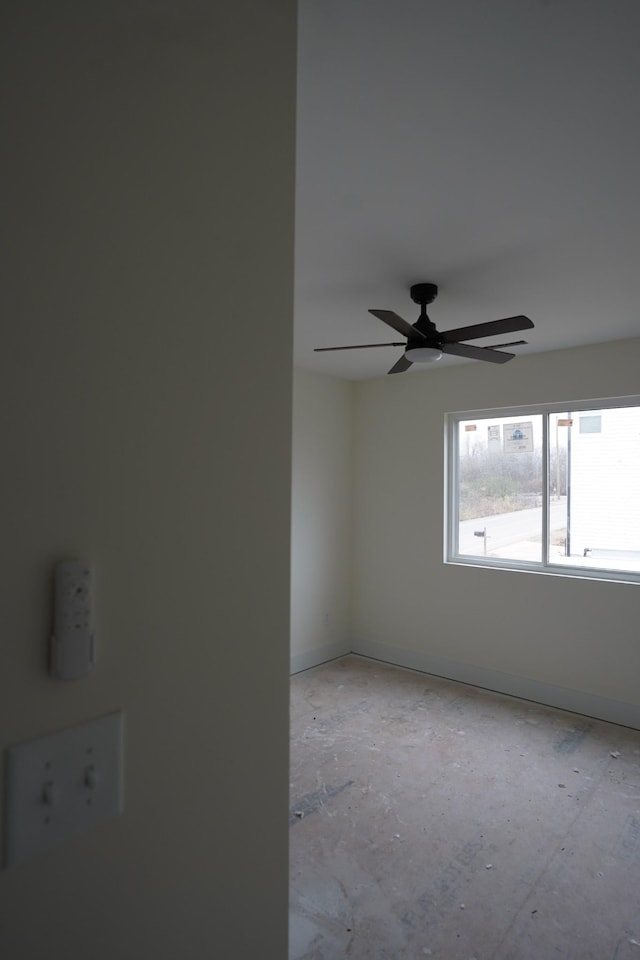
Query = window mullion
x=545 y=489
x=453 y=453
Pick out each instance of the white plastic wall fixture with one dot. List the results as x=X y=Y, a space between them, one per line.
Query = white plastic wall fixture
x=62 y=784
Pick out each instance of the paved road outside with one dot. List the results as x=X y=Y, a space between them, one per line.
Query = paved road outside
x=505 y=529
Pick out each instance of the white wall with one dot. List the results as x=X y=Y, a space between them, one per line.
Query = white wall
x=566 y=641
x=145 y=374
x=321 y=519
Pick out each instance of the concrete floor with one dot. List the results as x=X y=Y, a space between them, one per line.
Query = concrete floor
x=433 y=819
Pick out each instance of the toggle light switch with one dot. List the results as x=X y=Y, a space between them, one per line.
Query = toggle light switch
x=62 y=784
x=73 y=640
x=48 y=794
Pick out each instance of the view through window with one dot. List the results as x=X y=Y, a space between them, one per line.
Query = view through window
x=548 y=487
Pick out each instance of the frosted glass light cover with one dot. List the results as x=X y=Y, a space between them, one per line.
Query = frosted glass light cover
x=423 y=354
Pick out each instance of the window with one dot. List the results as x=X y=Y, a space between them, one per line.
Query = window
x=548 y=488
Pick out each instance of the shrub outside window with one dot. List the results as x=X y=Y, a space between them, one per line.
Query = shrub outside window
x=548 y=488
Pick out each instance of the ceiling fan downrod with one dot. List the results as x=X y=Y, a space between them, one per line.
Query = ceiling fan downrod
x=417 y=350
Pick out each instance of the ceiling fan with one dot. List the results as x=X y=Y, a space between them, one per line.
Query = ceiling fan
x=425 y=344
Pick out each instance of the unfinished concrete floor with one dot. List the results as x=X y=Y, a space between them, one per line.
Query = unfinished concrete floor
x=433 y=819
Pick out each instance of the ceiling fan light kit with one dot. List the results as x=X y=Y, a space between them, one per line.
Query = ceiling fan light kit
x=425 y=344
x=422 y=354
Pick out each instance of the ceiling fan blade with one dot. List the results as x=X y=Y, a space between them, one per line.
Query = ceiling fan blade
x=393 y=320
x=358 y=346
x=513 y=343
x=476 y=353
x=489 y=329
x=400 y=365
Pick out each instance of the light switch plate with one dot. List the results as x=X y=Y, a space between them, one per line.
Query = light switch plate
x=61 y=785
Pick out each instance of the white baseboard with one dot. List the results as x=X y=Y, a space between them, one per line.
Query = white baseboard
x=601 y=708
x=313 y=658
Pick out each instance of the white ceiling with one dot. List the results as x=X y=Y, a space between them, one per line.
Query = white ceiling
x=489 y=146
